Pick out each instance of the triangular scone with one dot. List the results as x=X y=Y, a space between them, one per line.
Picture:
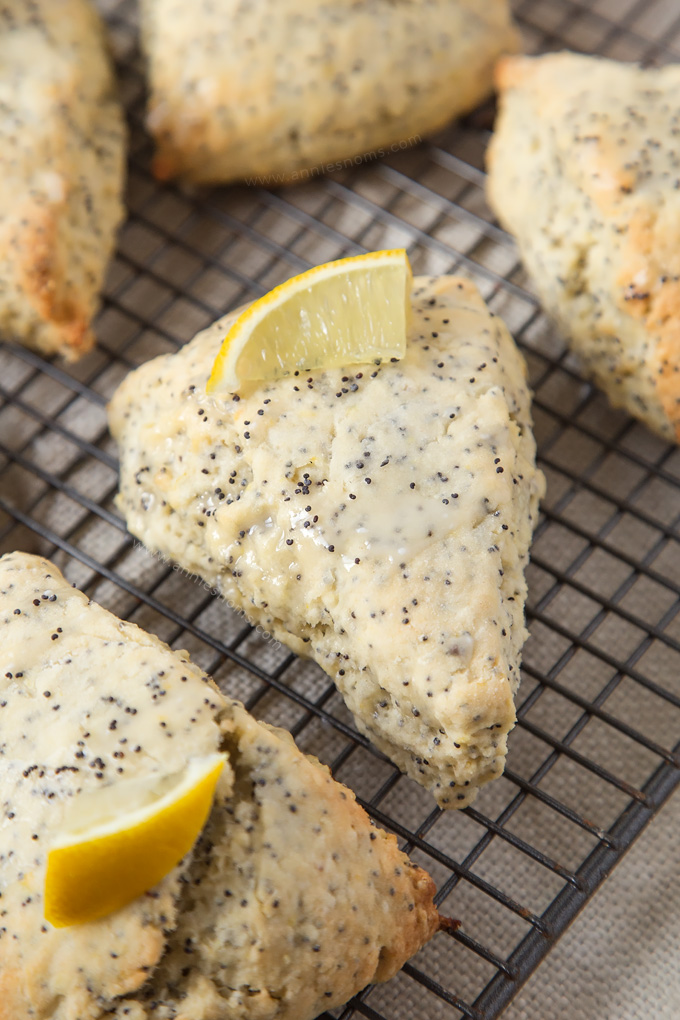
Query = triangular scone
x=377 y=519
x=62 y=141
x=584 y=171
x=288 y=89
x=291 y=900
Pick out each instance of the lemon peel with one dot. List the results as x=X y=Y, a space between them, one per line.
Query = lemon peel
x=125 y=839
x=352 y=311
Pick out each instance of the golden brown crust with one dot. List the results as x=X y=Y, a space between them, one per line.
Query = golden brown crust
x=583 y=171
x=652 y=254
x=176 y=144
x=664 y=314
x=321 y=85
x=408 y=941
x=62 y=163
x=41 y=275
x=175 y=156
x=512 y=72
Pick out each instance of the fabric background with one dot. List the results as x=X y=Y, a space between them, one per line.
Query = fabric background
x=620 y=960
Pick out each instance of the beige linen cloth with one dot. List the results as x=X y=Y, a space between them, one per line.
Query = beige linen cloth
x=620 y=960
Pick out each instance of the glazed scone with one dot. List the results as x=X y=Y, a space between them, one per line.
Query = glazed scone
x=62 y=142
x=291 y=900
x=377 y=519
x=584 y=171
x=285 y=89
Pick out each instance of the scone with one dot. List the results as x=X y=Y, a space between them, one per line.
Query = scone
x=583 y=170
x=377 y=519
x=291 y=900
x=287 y=89
x=62 y=140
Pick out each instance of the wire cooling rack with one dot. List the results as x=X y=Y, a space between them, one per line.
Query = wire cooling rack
x=597 y=747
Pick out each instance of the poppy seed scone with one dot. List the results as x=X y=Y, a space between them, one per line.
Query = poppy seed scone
x=290 y=902
x=376 y=519
x=286 y=89
x=62 y=142
x=584 y=170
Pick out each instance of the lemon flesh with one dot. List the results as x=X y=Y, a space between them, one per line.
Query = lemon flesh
x=349 y=312
x=136 y=833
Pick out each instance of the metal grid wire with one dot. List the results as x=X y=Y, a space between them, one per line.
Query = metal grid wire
x=597 y=747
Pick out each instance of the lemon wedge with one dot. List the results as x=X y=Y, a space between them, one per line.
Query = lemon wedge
x=349 y=312
x=123 y=839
